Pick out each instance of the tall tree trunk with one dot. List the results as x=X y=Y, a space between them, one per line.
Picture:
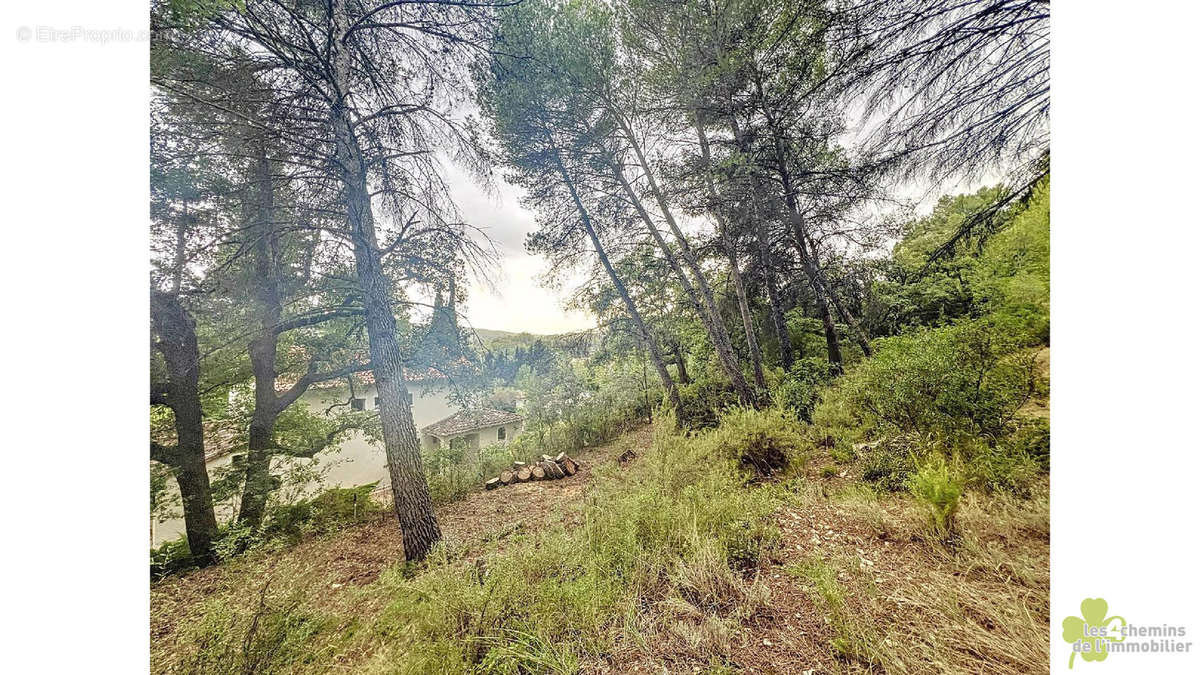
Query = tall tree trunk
x=777 y=318
x=705 y=309
x=735 y=273
x=860 y=335
x=762 y=238
x=807 y=260
x=655 y=353
x=764 y=247
x=175 y=338
x=181 y=229
x=811 y=271
x=680 y=363
x=263 y=349
x=720 y=335
x=410 y=492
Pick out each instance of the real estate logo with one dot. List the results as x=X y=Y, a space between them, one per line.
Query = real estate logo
x=1095 y=634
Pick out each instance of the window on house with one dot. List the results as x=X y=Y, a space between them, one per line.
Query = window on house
x=500 y=434
x=358 y=404
x=408 y=397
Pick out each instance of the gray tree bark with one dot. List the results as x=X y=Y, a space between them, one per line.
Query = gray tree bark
x=174 y=333
x=262 y=348
x=735 y=272
x=656 y=356
x=860 y=335
x=761 y=238
x=807 y=259
x=410 y=492
x=706 y=310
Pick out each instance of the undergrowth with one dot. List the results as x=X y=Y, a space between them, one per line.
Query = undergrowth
x=668 y=556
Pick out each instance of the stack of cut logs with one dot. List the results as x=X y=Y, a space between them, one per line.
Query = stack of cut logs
x=547 y=468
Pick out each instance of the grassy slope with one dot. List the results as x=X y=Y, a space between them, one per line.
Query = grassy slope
x=850 y=584
x=338 y=574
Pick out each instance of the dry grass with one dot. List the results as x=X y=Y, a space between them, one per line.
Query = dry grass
x=338 y=574
x=853 y=585
x=891 y=600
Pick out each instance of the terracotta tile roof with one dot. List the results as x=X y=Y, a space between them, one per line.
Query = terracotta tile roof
x=221 y=437
x=464 y=421
x=365 y=378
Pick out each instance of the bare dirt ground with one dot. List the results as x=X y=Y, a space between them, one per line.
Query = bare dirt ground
x=910 y=604
x=895 y=600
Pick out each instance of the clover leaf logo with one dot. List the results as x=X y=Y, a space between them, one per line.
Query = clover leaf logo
x=1091 y=631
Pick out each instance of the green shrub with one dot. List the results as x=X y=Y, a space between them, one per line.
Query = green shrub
x=837 y=422
x=452 y=483
x=1012 y=276
x=170 y=557
x=1013 y=464
x=766 y=441
x=937 y=488
x=1001 y=270
x=496 y=457
x=1032 y=440
x=329 y=511
x=1002 y=468
x=888 y=465
x=842 y=452
x=704 y=400
x=965 y=379
x=800 y=388
x=579 y=417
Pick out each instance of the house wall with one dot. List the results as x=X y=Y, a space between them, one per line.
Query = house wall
x=355 y=462
x=431 y=402
x=486 y=436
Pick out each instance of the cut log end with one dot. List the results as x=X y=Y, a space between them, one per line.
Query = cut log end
x=569 y=466
x=546 y=468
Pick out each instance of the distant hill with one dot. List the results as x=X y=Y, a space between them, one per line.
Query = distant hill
x=502 y=339
x=578 y=344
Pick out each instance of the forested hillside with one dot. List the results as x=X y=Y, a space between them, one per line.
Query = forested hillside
x=811 y=426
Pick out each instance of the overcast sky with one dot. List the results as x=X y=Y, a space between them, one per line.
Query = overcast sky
x=517 y=302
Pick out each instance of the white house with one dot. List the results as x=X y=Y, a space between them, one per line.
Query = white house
x=356 y=460
x=429 y=396
x=476 y=428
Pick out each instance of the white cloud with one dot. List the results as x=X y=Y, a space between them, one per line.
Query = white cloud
x=515 y=302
